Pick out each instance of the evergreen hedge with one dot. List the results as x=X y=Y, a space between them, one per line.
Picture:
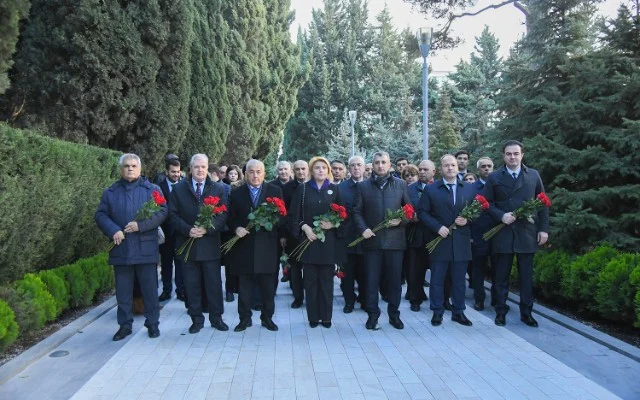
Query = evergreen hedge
x=49 y=191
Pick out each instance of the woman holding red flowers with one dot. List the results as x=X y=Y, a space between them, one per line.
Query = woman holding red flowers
x=310 y=200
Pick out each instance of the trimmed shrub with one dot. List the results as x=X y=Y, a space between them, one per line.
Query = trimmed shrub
x=79 y=292
x=56 y=286
x=634 y=278
x=34 y=290
x=104 y=273
x=8 y=326
x=26 y=315
x=581 y=281
x=615 y=294
x=54 y=187
x=548 y=271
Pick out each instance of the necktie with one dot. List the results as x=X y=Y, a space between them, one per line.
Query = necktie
x=199 y=191
x=254 y=195
x=515 y=176
x=451 y=196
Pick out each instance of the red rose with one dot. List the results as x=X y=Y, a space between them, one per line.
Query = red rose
x=340 y=274
x=219 y=209
x=158 y=198
x=408 y=211
x=544 y=199
x=212 y=201
x=484 y=204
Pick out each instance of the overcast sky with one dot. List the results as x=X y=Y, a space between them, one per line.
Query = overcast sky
x=507 y=23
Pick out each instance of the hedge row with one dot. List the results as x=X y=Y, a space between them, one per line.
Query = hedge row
x=49 y=191
x=603 y=282
x=29 y=303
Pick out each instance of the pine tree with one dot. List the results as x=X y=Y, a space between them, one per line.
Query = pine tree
x=445 y=135
x=340 y=145
x=11 y=12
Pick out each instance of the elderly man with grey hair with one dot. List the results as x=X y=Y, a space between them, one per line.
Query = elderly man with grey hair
x=135 y=250
x=203 y=263
x=284 y=174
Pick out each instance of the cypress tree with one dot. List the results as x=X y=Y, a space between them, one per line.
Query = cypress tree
x=11 y=12
x=445 y=136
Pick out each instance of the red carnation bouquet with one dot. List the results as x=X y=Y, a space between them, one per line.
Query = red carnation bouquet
x=265 y=216
x=147 y=210
x=208 y=210
x=470 y=212
x=286 y=267
x=406 y=212
x=337 y=214
x=525 y=211
x=340 y=273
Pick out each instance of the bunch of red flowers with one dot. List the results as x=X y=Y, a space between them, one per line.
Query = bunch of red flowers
x=406 y=212
x=470 y=212
x=279 y=204
x=525 y=211
x=148 y=209
x=340 y=274
x=208 y=210
x=340 y=210
x=335 y=216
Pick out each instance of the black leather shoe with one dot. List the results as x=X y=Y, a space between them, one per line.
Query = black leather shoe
x=154 y=332
x=122 y=333
x=180 y=296
x=244 y=324
x=229 y=297
x=165 y=295
x=348 y=308
x=314 y=324
x=372 y=323
x=478 y=306
x=461 y=319
x=220 y=325
x=396 y=322
x=500 y=320
x=195 y=328
x=436 y=320
x=529 y=321
x=415 y=307
x=296 y=304
x=269 y=324
x=326 y=324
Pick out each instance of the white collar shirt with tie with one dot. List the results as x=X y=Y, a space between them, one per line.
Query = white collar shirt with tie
x=516 y=172
x=453 y=186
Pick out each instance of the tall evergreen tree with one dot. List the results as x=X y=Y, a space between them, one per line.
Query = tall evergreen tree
x=11 y=12
x=445 y=137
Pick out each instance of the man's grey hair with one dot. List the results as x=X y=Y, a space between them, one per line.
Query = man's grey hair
x=354 y=158
x=198 y=156
x=431 y=163
x=381 y=154
x=447 y=155
x=282 y=164
x=301 y=162
x=253 y=162
x=482 y=159
x=129 y=156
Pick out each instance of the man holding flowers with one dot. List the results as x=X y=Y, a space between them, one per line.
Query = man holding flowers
x=508 y=189
x=256 y=209
x=135 y=241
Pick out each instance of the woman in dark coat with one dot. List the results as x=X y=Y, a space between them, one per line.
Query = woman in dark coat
x=312 y=199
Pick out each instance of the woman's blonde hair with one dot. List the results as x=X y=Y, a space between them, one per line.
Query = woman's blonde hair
x=320 y=159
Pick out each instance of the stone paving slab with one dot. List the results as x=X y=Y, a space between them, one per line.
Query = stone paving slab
x=344 y=362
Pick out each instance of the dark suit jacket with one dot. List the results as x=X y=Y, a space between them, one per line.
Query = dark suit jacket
x=480 y=226
x=420 y=235
x=505 y=195
x=183 y=213
x=167 y=228
x=348 y=192
x=435 y=211
x=258 y=251
x=288 y=189
x=277 y=182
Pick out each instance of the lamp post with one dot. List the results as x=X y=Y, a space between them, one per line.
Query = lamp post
x=424 y=42
x=352 y=118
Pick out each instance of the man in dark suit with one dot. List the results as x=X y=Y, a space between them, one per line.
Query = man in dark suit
x=284 y=176
x=462 y=158
x=253 y=257
x=354 y=267
x=383 y=250
x=440 y=207
x=506 y=190
x=203 y=263
x=168 y=248
x=339 y=171
x=301 y=173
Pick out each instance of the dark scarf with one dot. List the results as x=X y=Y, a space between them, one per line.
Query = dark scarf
x=381 y=180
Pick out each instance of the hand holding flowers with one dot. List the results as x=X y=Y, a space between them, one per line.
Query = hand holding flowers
x=323 y=222
x=525 y=211
x=146 y=211
x=204 y=221
x=393 y=218
x=266 y=216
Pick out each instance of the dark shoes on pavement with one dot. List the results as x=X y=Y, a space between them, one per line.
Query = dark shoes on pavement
x=244 y=324
x=296 y=304
x=478 y=306
x=195 y=328
x=372 y=323
x=415 y=307
x=529 y=321
x=269 y=324
x=501 y=320
x=180 y=296
x=326 y=324
x=436 y=320
x=229 y=297
x=153 y=331
x=122 y=333
x=461 y=319
x=396 y=322
x=314 y=324
x=220 y=325
x=165 y=295
x=348 y=308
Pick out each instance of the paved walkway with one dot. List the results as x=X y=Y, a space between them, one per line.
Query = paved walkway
x=344 y=362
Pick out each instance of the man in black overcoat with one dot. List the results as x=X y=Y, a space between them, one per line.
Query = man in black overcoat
x=203 y=262
x=506 y=190
x=254 y=257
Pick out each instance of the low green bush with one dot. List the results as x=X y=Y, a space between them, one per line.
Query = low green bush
x=549 y=269
x=8 y=326
x=76 y=281
x=58 y=289
x=634 y=278
x=35 y=291
x=27 y=316
x=580 y=283
x=616 y=293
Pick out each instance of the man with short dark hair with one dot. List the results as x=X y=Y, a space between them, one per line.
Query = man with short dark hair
x=506 y=190
x=400 y=163
x=339 y=171
x=462 y=158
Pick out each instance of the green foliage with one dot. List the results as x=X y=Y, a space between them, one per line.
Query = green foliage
x=548 y=272
x=446 y=131
x=34 y=291
x=80 y=294
x=634 y=278
x=57 y=288
x=11 y=12
x=580 y=283
x=54 y=188
x=616 y=292
x=8 y=326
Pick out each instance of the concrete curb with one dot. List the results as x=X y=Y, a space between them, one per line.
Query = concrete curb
x=19 y=363
x=590 y=333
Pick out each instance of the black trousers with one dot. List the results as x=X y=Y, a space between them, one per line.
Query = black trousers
x=318 y=285
x=230 y=281
x=389 y=263
x=147 y=275
x=297 y=283
x=167 y=262
x=504 y=262
x=197 y=273
x=354 y=270
x=439 y=271
x=480 y=269
x=417 y=259
x=246 y=296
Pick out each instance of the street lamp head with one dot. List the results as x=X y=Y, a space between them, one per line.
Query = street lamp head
x=424 y=36
x=352 y=116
